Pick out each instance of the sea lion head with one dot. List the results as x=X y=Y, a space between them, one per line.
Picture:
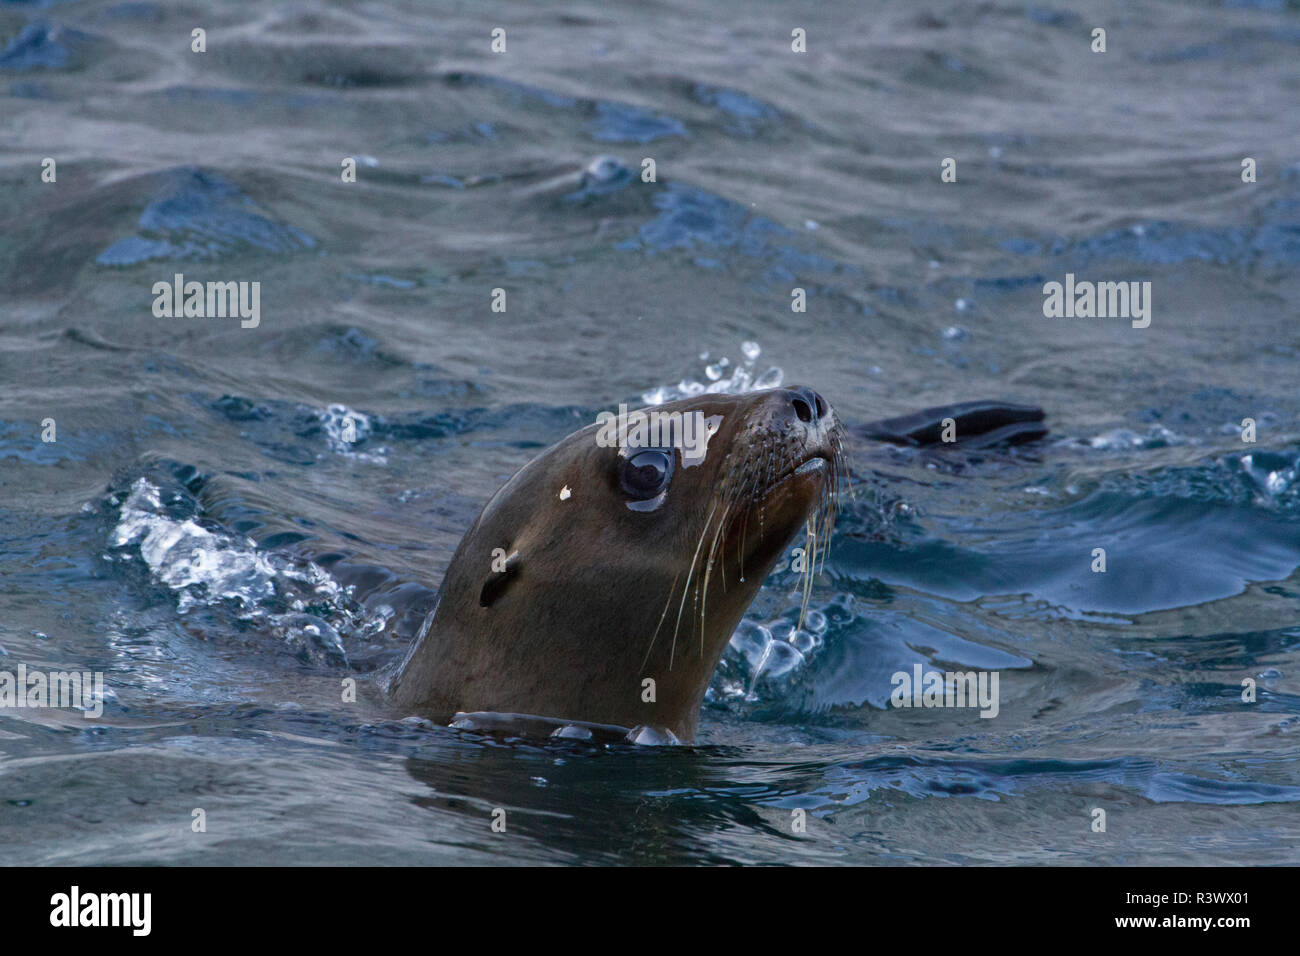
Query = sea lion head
x=602 y=582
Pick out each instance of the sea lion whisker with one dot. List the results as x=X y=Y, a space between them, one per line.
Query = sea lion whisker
x=827 y=512
x=655 y=635
x=810 y=548
x=708 y=568
x=689 y=576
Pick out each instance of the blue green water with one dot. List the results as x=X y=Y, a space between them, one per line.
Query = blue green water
x=202 y=532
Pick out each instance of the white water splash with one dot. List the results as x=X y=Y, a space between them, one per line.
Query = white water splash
x=1121 y=439
x=721 y=375
x=1271 y=477
x=346 y=427
x=776 y=650
x=293 y=598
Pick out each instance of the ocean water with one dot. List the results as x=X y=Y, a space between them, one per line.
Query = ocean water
x=229 y=521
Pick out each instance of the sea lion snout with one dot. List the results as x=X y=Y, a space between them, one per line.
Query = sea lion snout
x=804 y=426
x=801 y=411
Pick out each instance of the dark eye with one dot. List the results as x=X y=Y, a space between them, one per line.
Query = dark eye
x=646 y=473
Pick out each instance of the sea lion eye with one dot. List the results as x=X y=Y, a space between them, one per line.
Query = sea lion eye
x=646 y=473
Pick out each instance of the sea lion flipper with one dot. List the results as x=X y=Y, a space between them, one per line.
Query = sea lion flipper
x=1017 y=433
x=991 y=422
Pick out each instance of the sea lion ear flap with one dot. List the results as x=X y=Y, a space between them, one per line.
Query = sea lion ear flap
x=504 y=570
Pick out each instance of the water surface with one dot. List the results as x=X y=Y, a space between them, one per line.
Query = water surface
x=203 y=532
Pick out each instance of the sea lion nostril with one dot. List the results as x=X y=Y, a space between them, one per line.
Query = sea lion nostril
x=808 y=405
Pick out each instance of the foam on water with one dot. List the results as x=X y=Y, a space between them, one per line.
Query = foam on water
x=344 y=427
x=295 y=599
x=1123 y=439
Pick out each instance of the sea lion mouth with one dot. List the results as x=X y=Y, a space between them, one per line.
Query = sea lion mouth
x=814 y=505
x=817 y=464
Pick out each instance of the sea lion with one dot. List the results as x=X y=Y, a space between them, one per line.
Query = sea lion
x=600 y=584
